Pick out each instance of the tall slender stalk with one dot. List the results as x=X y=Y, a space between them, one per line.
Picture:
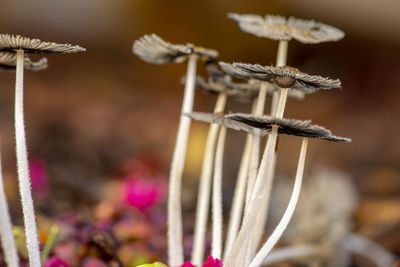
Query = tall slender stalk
x=23 y=167
x=6 y=232
x=239 y=194
x=280 y=228
x=262 y=217
x=216 y=246
x=175 y=242
x=203 y=198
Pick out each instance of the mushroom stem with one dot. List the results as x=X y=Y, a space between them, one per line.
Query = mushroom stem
x=6 y=232
x=239 y=194
x=24 y=182
x=290 y=253
x=203 y=198
x=280 y=61
x=216 y=246
x=234 y=258
x=280 y=228
x=255 y=146
x=175 y=242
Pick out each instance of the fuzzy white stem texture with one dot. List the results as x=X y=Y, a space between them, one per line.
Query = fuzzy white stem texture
x=216 y=246
x=175 y=235
x=6 y=232
x=24 y=181
x=280 y=228
x=203 y=198
x=239 y=194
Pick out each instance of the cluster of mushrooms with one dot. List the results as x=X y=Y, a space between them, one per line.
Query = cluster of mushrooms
x=14 y=50
x=242 y=245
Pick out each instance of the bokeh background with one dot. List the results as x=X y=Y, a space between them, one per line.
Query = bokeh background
x=90 y=113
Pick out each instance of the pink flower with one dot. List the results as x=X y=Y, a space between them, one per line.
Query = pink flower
x=142 y=193
x=188 y=264
x=211 y=262
x=39 y=178
x=91 y=262
x=55 y=262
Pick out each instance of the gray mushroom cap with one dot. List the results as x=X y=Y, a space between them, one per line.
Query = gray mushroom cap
x=153 y=49
x=12 y=43
x=238 y=73
x=301 y=81
x=287 y=126
x=221 y=119
x=8 y=61
x=279 y=28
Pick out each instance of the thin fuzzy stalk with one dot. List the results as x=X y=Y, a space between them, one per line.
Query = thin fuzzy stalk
x=291 y=253
x=216 y=246
x=203 y=198
x=255 y=148
x=280 y=228
x=175 y=235
x=6 y=232
x=239 y=194
x=234 y=258
x=24 y=181
x=280 y=61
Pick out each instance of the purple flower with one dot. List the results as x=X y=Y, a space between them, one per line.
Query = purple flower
x=55 y=262
x=211 y=262
x=188 y=264
x=142 y=193
x=39 y=178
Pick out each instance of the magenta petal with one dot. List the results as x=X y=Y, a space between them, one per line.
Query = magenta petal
x=211 y=262
x=55 y=262
x=188 y=264
x=142 y=193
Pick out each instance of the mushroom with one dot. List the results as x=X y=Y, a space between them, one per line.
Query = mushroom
x=274 y=125
x=8 y=61
x=155 y=50
x=220 y=84
x=19 y=45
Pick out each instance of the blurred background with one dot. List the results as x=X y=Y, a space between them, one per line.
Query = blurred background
x=92 y=113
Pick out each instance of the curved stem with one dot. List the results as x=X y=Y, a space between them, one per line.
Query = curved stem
x=280 y=228
x=6 y=232
x=203 y=198
x=216 y=246
x=24 y=182
x=291 y=253
x=175 y=236
x=239 y=194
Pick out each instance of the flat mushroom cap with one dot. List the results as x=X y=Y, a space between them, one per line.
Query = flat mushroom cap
x=221 y=119
x=8 y=61
x=301 y=81
x=12 y=43
x=153 y=49
x=287 y=126
x=280 y=28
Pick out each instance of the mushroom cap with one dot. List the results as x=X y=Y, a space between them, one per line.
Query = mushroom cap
x=12 y=43
x=279 y=28
x=302 y=81
x=221 y=119
x=153 y=49
x=287 y=126
x=8 y=61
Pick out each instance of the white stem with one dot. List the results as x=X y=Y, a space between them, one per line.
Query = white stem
x=363 y=246
x=175 y=236
x=263 y=214
x=282 y=103
x=24 y=182
x=239 y=194
x=291 y=253
x=280 y=61
x=255 y=148
x=234 y=258
x=203 y=198
x=280 y=228
x=216 y=246
x=6 y=232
